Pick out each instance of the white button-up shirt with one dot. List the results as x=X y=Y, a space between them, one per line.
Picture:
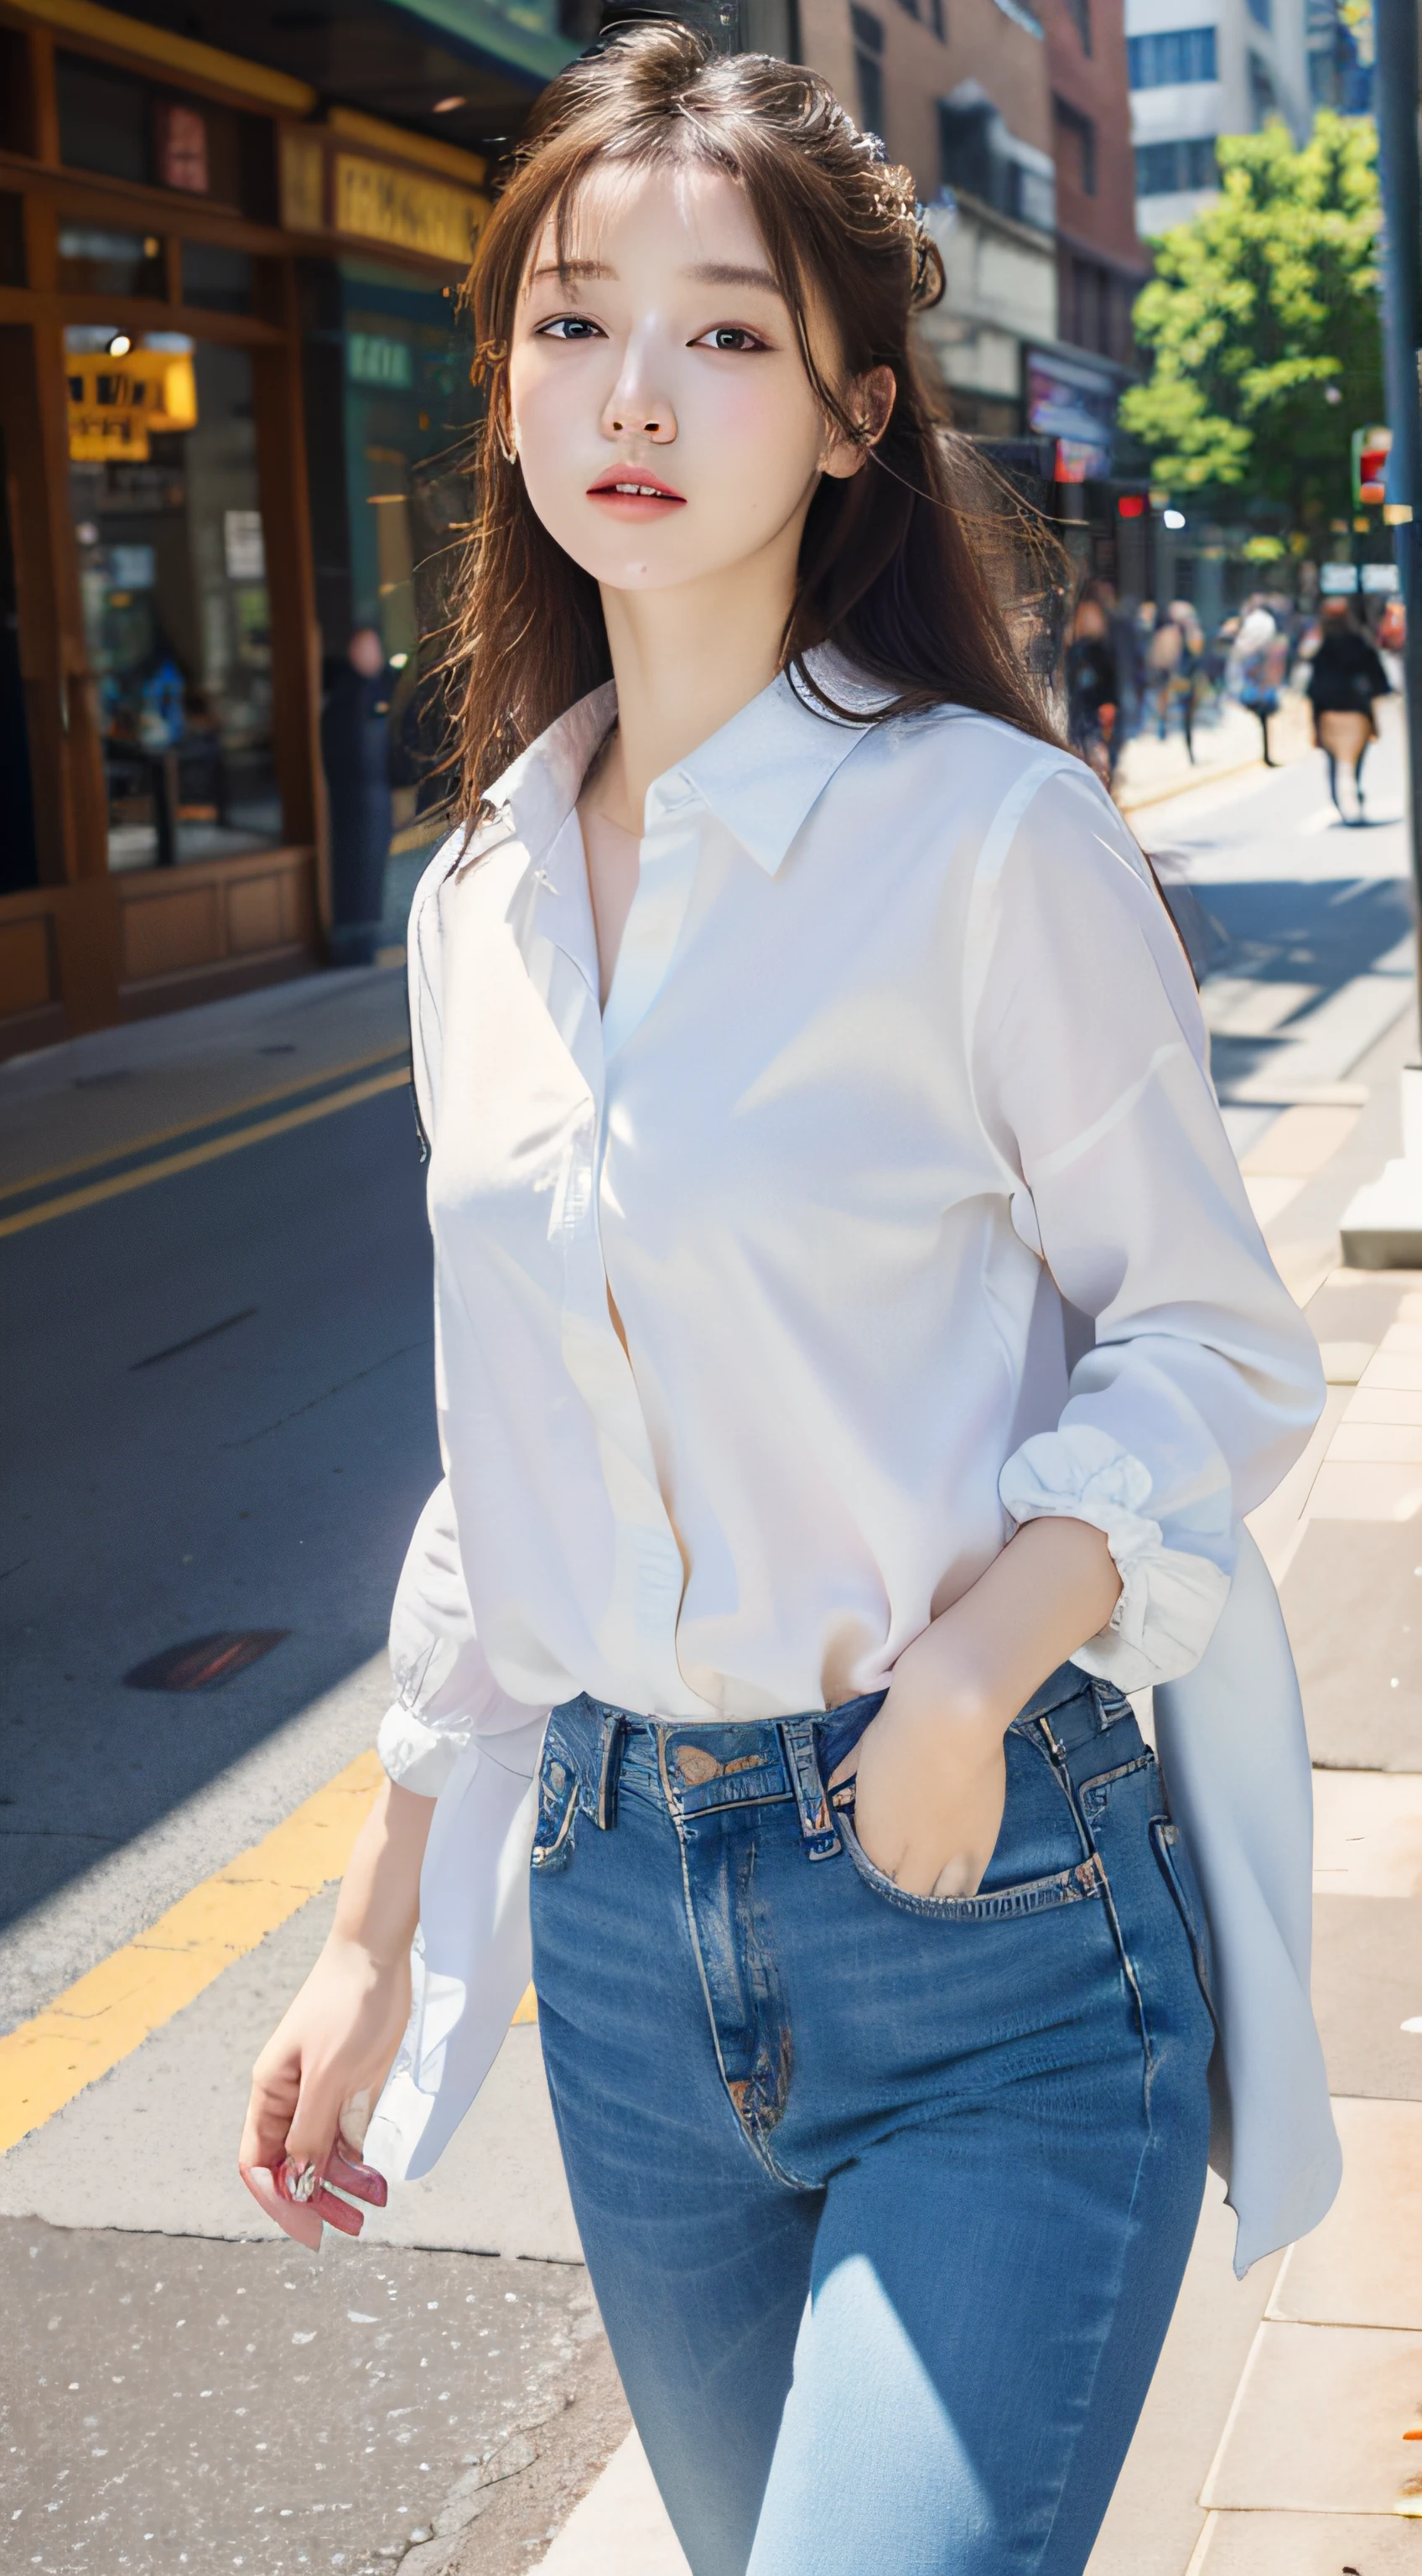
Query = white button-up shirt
x=896 y=1153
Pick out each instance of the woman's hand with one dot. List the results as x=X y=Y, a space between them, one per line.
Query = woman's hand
x=319 y=2076
x=931 y=1773
x=931 y=1776
x=313 y=2089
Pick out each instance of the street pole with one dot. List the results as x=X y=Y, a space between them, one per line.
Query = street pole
x=1395 y=89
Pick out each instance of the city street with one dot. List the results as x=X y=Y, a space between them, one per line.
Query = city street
x=217 y=1355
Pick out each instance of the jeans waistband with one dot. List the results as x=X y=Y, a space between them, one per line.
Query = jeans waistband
x=705 y=1763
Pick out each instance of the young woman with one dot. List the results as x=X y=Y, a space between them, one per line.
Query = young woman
x=810 y=1071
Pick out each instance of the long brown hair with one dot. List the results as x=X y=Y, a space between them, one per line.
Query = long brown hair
x=889 y=571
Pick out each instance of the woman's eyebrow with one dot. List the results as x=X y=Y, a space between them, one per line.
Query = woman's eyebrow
x=717 y=273
x=570 y=272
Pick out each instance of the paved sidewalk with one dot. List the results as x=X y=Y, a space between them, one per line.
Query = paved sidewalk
x=91 y=1099
x=1226 y=743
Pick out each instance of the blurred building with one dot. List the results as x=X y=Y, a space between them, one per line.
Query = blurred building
x=1341 y=56
x=1015 y=125
x=1203 y=68
x=234 y=409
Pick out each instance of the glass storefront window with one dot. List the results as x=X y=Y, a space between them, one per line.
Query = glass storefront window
x=167 y=512
x=217 y=277
x=408 y=414
x=95 y=260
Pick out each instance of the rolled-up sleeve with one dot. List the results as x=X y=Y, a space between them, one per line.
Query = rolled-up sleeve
x=1089 y=1061
x=445 y=1693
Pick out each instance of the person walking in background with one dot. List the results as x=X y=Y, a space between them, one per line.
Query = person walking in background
x=355 y=753
x=1261 y=660
x=1163 y=658
x=1187 y=668
x=1092 y=686
x=1345 y=683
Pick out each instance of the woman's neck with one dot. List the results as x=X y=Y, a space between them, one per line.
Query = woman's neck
x=685 y=661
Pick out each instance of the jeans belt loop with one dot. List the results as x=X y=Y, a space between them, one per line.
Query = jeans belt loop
x=614 y=1736
x=797 y=1742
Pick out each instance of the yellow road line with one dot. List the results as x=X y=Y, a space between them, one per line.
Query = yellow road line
x=186 y=1126
x=96 y=1191
x=105 y=2015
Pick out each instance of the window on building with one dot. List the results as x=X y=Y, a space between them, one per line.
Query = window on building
x=173 y=584
x=1079 y=12
x=96 y=259
x=1171 y=169
x=1095 y=306
x=1338 y=76
x=1076 y=145
x=1263 y=97
x=868 y=35
x=979 y=157
x=938 y=20
x=1262 y=12
x=1177 y=55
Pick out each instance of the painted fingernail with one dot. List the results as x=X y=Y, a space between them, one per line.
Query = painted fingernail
x=298 y=2181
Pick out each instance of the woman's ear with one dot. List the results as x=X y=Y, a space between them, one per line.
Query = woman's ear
x=869 y=400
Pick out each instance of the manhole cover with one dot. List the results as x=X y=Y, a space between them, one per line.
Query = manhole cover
x=204 y=1663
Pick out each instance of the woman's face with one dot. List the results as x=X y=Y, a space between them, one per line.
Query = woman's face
x=663 y=418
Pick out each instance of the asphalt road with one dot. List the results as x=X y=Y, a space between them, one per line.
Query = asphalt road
x=219 y=1407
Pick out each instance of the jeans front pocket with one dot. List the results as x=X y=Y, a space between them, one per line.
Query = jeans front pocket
x=997 y=1905
x=1039 y=1860
x=557 y=1809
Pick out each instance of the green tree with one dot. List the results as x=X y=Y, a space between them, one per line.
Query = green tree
x=1262 y=323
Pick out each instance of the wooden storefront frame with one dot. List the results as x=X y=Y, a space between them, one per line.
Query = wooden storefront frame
x=86 y=947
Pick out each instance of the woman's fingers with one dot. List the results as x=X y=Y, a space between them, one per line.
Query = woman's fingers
x=276 y=2088
x=295 y=2220
x=300 y=2197
x=360 y=2179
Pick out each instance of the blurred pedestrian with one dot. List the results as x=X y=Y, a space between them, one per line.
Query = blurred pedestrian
x=1093 y=686
x=1164 y=654
x=355 y=753
x=1345 y=683
x=1261 y=659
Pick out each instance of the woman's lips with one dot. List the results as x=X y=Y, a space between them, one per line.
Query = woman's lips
x=635 y=496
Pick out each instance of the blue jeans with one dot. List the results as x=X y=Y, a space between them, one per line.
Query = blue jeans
x=886 y=2199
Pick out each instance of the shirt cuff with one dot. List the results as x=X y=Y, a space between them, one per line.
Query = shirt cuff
x=417 y=1756
x=1169 y=1600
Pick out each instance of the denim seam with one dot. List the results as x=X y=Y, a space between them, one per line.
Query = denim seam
x=755 y=2144
x=1076 y=1800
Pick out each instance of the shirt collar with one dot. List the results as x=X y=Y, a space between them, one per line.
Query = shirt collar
x=760 y=775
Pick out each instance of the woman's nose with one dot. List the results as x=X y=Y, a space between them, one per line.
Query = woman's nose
x=625 y=416
x=634 y=409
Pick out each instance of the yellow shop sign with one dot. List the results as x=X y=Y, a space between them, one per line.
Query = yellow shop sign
x=380 y=203
x=116 y=403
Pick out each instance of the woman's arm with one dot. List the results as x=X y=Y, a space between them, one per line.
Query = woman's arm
x=1202 y=1383
x=931 y=1773
x=319 y=2076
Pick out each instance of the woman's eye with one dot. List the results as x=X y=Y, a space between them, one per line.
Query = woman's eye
x=729 y=335
x=569 y=326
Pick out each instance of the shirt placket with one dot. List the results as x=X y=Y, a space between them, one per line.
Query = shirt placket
x=637 y=1629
